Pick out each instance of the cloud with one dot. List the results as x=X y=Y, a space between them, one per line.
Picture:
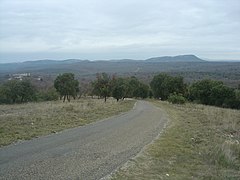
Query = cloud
x=107 y=28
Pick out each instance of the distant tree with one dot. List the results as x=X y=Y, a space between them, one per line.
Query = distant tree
x=66 y=86
x=102 y=86
x=48 y=95
x=163 y=85
x=118 y=88
x=18 y=91
x=141 y=91
x=11 y=90
x=27 y=91
x=135 y=88
x=212 y=92
x=132 y=86
x=95 y=90
x=118 y=92
x=221 y=95
x=157 y=85
x=201 y=91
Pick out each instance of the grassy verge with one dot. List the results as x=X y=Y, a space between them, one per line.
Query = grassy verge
x=200 y=142
x=26 y=121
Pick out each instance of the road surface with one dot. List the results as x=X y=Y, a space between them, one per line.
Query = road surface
x=88 y=152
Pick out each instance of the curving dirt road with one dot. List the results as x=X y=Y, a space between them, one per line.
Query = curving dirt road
x=89 y=152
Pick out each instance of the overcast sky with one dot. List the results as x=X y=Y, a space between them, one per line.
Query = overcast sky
x=114 y=29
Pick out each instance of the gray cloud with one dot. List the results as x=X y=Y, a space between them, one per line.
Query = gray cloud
x=107 y=29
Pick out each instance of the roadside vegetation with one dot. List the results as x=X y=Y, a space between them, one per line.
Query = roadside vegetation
x=208 y=92
x=29 y=120
x=164 y=87
x=200 y=142
x=24 y=102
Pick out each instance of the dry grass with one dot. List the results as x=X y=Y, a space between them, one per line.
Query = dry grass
x=200 y=142
x=26 y=121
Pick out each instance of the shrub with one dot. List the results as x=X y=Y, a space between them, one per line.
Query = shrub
x=49 y=95
x=176 y=99
x=17 y=92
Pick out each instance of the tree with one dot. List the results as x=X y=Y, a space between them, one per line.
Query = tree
x=11 y=90
x=102 y=86
x=118 y=88
x=48 y=95
x=132 y=86
x=212 y=92
x=221 y=95
x=66 y=86
x=141 y=91
x=163 y=85
x=27 y=92
x=118 y=92
x=200 y=91
x=18 y=91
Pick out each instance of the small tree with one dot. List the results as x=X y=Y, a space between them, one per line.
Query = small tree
x=11 y=90
x=118 y=88
x=66 y=86
x=102 y=86
x=141 y=91
x=118 y=92
x=27 y=91
x=132 y=86
x=18 y=91
x=48 y=95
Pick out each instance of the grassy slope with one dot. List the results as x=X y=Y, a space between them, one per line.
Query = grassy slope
x=200 y=142
x=25 y=121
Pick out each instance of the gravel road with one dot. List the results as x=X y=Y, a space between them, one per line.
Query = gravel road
x=88 y=152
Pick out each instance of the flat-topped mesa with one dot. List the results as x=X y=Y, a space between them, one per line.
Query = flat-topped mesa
x=180 y=58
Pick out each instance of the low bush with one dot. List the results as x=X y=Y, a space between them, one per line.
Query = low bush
x=176 y=99
x=49 y=95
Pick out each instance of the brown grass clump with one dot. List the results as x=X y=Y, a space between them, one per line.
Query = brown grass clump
x=200 y=142
x=26 y=121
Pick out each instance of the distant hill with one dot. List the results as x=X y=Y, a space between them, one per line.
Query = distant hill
x=189 y=66
x=48 y=61
x=180 y=58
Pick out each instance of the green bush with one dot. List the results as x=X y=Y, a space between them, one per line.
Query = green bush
x=17 y=92
x=211 y=92
x=163 y=85
x=49 y=95
x=176 y=99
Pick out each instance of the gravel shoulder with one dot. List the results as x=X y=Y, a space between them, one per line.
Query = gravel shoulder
x=88 y=152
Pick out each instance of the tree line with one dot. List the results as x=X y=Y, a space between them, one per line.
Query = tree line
x=118 y=87
x=162 y=86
